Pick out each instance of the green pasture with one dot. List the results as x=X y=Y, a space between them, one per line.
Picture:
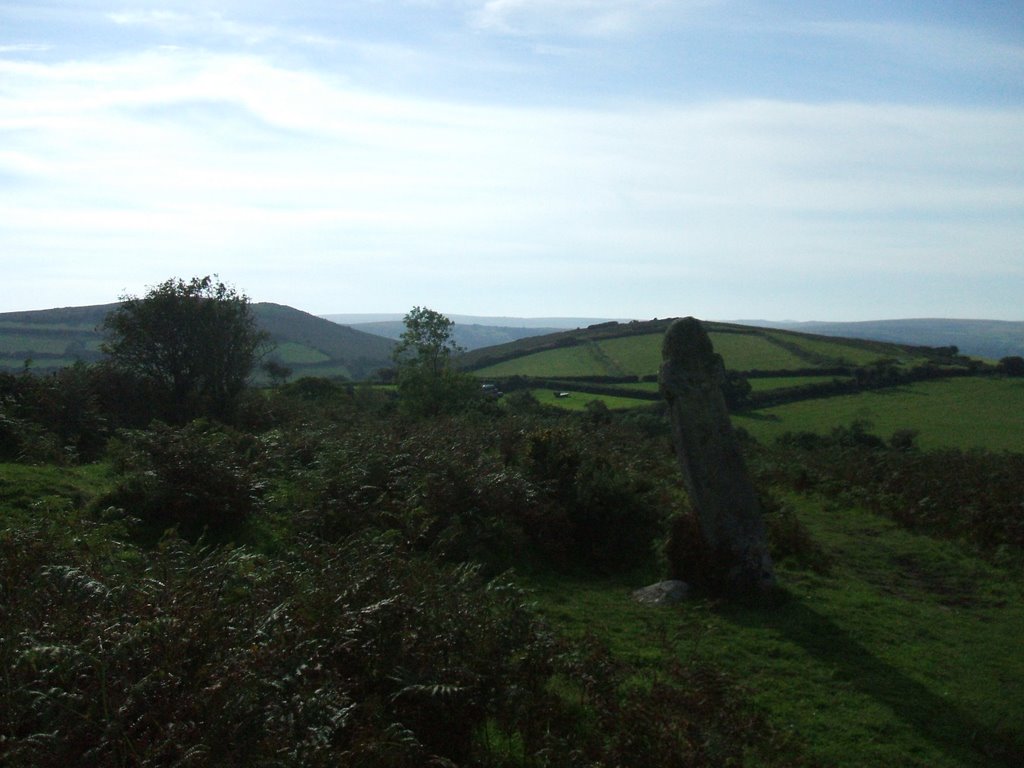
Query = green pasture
x=640 y=355
x=327 y=371
x=750 y=351
x=577 y=401
x=579 y=360
x=836 y=351
x=782 y=382
x=634 y=355
x=952 y=413
x=904 y=651
x=13 y=343
x=293 y=353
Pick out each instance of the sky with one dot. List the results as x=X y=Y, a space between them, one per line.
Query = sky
x=727 y=159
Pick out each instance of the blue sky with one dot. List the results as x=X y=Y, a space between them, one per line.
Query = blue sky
x=718 y=158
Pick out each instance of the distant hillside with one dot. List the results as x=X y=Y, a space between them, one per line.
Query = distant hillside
x=468 y=337
x=309 y=345
x=470 y=331
x=634 y=349
x=981 y=338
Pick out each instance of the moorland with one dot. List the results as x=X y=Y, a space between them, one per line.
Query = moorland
x=357 y=565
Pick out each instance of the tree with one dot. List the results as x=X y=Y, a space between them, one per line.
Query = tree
x=426 y=381
x=278 y=373
x=427 y=341
x=1012 y=365
x=195 y=342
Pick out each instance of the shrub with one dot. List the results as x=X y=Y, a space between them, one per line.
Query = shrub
x=195 y=478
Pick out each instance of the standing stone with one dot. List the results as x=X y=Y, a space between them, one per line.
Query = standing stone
x=731 y=551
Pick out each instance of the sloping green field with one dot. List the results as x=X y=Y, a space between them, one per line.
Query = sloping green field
x=741 y=349
x=953 y=413
x=579 y=360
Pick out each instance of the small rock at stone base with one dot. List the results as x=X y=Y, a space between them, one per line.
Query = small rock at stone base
x=663 y=593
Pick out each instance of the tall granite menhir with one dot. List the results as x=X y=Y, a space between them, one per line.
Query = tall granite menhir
x=731 y=551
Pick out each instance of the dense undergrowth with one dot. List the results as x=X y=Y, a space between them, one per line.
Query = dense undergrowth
x=325 y=581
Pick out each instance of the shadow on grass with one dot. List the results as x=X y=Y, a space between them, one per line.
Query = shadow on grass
x=758 y=416
x=951 y=729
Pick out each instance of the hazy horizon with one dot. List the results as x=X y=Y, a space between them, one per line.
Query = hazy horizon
x=519 y=158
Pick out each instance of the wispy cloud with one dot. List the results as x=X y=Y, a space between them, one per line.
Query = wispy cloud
x=233 y=160
x=588 y=18
x=212 y=23
x=25 y=48
x=573 y=156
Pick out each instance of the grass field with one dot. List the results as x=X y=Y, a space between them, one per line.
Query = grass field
x=577 y=401
x=747 y=351
x=635 y=355
x=13 y=343
x=905 y=652
x=641 y=356
x=579 y=360
x=954 y=413
x=291 y=353
x=781 y=382
x=837 y=351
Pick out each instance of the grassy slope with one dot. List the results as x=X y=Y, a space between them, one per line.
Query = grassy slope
x=963 y=413
x=742 y=349
x=568 y=361
x=906 y=653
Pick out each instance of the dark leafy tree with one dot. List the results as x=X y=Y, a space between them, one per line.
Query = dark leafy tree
x=195 y=341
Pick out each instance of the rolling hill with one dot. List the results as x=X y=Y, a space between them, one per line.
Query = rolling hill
x=991 y=339
x=53 y=338
x=619 y=350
